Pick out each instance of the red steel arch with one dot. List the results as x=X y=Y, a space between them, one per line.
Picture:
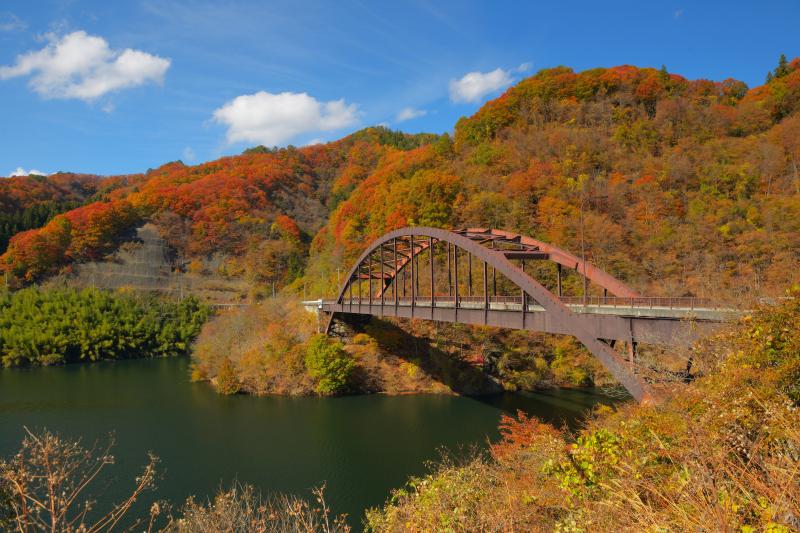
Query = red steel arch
x=563 y=258
x=480 y=243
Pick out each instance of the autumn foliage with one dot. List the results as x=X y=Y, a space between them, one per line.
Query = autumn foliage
x=83 y=234
x=720 y=456
x=692 y=188
x=263 y=203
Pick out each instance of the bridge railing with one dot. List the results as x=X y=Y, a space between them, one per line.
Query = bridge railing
x=670 y=302
x=640 y=302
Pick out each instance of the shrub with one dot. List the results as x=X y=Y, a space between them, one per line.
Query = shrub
x=241 y=508
x=227 y=381
x=264 y=345
x=329 y=364
x=47 y=486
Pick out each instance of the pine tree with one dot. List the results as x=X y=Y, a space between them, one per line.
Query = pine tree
x=783 y=67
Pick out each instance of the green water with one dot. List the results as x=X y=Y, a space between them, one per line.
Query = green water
x=360 y=446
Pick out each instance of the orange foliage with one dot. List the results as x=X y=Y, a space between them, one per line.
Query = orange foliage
x=20 y=192
x=85 y=233
x=683 y=189
x=520 y=433
x=693 y=184
x=287 y=228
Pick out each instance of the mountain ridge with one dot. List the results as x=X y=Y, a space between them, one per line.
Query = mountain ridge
x=653 y=158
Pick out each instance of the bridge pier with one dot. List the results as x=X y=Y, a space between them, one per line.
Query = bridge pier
x=632 y=344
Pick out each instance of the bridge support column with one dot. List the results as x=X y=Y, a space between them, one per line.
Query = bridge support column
x=485 y=294
x=394 y=279
x=383 y=280
x=433 y=285
x=455 y=281
x=449 y=271
x=469 y=273
x=524 y=298
x=558 y=274
x=632 y=345
x=413 y=290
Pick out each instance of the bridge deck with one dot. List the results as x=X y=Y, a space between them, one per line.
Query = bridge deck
x=648 y=324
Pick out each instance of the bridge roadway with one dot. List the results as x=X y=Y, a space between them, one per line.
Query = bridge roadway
x=664 y=321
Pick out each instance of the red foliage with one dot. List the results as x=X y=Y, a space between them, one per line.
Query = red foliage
x=20 y=192
x=34 y=253
x=85 y=233
x=520 y=433
x=287 y=228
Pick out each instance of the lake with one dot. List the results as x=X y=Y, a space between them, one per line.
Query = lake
x=360 y=446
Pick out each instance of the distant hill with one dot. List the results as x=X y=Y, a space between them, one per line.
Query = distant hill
x=28 y=202
x=254 y=212
x=685 y=185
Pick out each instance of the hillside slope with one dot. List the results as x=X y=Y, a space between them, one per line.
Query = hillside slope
x=720 y=456
x=256 y=208
x=28 y=202
x=677 y=186
x=685 y=187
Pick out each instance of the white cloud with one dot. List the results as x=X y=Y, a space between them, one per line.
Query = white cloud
x=83 y=66
x=22 y=172
x=315 y=141
x=678 y=13
x=475 y=85
x=410 y=113
x=524 y=67
x=272 y=119
x=11 y=22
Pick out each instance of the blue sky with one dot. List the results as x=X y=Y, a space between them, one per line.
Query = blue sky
x=119 y=87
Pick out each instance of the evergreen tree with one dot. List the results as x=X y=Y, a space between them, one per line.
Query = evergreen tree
x=783 y=67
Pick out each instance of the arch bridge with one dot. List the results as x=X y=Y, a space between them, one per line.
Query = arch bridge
x=496 y=278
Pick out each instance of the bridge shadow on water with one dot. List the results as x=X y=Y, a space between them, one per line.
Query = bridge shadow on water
x=561 y=407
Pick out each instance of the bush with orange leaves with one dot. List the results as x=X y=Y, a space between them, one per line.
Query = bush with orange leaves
x=258 y=349
x=720 y=454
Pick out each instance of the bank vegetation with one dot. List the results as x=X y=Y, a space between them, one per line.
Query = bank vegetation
x=720 y=454
x=275 y=348
x=63 y=325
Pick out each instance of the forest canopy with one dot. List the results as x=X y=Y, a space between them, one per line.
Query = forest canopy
x=691 y=187
x=57 y=326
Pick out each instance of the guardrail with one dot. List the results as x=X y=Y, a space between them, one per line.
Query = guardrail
x=640 y=302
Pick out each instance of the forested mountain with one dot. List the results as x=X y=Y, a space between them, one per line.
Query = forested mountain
x=28 y=202
x=255 y=210
x=685 y=187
